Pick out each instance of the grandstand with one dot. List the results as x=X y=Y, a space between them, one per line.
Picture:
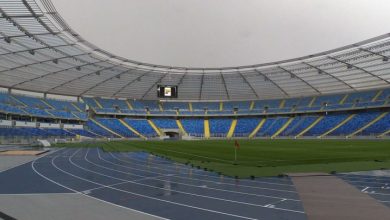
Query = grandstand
x=57 y=87
x=346 y=115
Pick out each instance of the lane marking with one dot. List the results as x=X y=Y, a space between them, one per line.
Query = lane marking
x=159 y=178
x=155 y=187
x=187 y=168
x=77 y=192
x=245 y=186
x=149 y=197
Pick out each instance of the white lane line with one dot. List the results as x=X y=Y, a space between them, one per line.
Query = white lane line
x=148 y=197
x=212 y=188
x=275 y=203
x=376 y=193
x=231 y=184
x=77 y=192
x=365 y=182
x=131 y=159
x=155 y=187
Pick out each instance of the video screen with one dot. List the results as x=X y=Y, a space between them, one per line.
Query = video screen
x=164 y=91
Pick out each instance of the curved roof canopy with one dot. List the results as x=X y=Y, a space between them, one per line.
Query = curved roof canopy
x=40 y=52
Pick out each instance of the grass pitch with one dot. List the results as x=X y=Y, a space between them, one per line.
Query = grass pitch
x=264 y=157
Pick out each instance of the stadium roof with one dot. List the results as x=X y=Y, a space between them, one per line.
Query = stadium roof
x=40 y=52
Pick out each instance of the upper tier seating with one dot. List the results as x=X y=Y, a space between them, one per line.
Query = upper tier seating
x=184 y=106
x=211 y=106
x=39 y=107
x=364 y=99
x=65 y=105
x=242 y=106
x=112 y=103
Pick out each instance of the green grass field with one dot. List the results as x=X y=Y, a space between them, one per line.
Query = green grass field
x=264 y=157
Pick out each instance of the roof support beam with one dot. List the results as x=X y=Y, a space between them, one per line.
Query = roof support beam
x=182 y=78
x=80 y=77
x=52 y=73
x=32 y=35
x=294 y=75
x=37 y=17
x=201 y=85
x=356 y=67
x=131 y=82
x=250 y=86
x=101 y=82
x=334 y=77
x=40 y=48
x=224 y=85
x=384 y=58
x=272 y=81
x=151 y=87
x=20 y=36
x=44 y=61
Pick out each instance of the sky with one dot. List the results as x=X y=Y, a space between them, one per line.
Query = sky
x=217 y=33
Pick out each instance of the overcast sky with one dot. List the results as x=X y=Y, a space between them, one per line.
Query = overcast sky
x=213 y=33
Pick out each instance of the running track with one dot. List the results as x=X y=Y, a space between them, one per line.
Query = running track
x=155 y=186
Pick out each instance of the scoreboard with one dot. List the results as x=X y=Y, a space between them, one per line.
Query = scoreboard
x=164 y=91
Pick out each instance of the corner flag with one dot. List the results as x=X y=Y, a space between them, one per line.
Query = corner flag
x=236 y=144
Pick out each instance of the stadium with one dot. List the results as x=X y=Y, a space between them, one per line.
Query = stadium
x=86 y=134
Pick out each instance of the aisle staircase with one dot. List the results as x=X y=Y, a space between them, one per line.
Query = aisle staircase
x=129 y=105
x=258 y=127
x=310 y=127
x=181 y=128
x=252 y=105
x=156 y=129
x=47 y=104
x=97 y=103
x=377 y=95
x=337 y=126
x=190 y=106
x=384 y=134
x=232 y=128
x=132 y=129
x=342 y=101
x=76 y=107
x=282 y=128
x=206 y=129
x=105 y=128
x=368 y=125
